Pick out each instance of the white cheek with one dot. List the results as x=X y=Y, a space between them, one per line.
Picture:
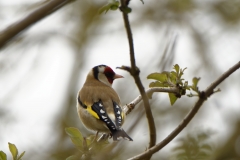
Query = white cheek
x=103 y=78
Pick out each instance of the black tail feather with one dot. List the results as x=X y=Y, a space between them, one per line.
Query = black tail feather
x=119 y=134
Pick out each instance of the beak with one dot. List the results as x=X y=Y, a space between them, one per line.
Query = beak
x=117 y=76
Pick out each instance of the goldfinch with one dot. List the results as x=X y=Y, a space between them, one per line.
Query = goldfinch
x=98 y=104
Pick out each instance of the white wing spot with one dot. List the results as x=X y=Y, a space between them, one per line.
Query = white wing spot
x=108 y=122
x=118 y=112
x=117 y=106
x=102 y=111
x=104 y=117
x=119 y=117
x=100 y=104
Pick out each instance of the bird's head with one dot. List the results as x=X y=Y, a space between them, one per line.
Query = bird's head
x=105 y=74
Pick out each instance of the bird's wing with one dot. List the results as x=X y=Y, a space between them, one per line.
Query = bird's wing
x=115 y=128
x=118 y=114
x=101 y=113
x=98 y=111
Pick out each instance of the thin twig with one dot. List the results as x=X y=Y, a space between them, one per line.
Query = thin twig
x=135 y=73
x=203 y=96
x=16 y=28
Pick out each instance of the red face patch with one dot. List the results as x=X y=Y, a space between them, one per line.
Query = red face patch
x=109 y=73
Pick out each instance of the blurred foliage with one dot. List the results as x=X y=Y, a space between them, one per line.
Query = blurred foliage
x=198 y=145
x=89 y=147
x=14 y=151
x=228 y=10
x=180 y=6
x=230 y=148
x=85 y=26
x=194 y=147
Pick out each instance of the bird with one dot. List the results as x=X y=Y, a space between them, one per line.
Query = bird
x=98 y=105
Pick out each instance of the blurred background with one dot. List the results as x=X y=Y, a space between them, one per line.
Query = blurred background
x=42 y=70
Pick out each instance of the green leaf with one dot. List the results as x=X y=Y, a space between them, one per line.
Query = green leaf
x=21 y=155
x=181 y=72
x=73 y=157
x=95 y=146
x=104 y=8
x=195 y=81
x=90 y=139
x=13 y=149
x=75 y=136
x=157 y=84
x=172 y=98
x=173 y=77
x=113 y=5
x=176 y=67
x=73 y=132
x=158 y=76
x=3 y=156
x=173 y=74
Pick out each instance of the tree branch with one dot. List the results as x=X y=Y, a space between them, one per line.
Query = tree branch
x=203 y=96
x=16 y=28
x=134 y=71
x=210 y=90
x=129 y=107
